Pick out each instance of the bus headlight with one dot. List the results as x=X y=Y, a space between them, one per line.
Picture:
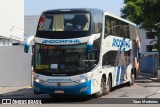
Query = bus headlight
x=37 y=80
x=36 y=88
x=82 y=80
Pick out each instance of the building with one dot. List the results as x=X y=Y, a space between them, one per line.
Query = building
x=11 y=22
x=30 y=24
x=149 y=53
x=148 y=41
x=15 y=65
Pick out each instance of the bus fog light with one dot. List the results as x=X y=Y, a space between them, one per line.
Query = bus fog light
x=84 y=89
x=36 y=88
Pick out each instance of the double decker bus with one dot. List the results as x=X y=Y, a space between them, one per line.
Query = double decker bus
x=83 y=52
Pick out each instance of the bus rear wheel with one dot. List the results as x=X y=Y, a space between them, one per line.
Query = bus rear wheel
x=105 y=87
x=102 y=85
x=132 y=79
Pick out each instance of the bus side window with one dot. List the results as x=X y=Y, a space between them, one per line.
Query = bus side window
x=121 y=59
x=116 y=27
x=109 y=58
x=107 y=27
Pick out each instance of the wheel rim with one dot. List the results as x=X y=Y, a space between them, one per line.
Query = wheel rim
x=101 y=90
x=107 y=85
x=133 y=78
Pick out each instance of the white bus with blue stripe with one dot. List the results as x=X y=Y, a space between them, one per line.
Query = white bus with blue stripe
x=82 y=52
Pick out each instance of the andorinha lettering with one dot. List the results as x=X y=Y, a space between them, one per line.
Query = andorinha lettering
x=61 y=41
x=120 y=43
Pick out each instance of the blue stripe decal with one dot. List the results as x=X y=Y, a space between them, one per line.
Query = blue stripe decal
x=90 y=48
x=118 y=73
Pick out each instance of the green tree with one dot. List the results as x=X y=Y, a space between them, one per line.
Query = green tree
x=145 y=13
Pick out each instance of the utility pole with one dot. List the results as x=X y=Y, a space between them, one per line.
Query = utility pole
x=158 y=32
x=159 y=45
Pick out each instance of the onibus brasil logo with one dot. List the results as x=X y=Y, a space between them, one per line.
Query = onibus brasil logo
x=75 y=41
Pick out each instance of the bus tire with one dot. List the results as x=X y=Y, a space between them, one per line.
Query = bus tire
x=102 y=86
x=107 y=86
x=132 y=79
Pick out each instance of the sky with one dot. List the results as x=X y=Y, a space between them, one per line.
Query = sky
x=36 y=7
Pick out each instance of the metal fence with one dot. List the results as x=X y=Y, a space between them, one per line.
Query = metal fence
x=149 y=64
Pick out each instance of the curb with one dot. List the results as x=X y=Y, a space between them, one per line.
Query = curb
x=11 y=95
x=154 y=79
x=149 y=77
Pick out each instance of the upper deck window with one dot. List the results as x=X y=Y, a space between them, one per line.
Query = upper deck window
x=65 y=22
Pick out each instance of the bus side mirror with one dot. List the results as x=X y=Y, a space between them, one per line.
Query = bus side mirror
x=26 y=48
x=27 y=42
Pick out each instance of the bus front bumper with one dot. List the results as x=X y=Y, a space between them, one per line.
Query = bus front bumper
x=80 y=89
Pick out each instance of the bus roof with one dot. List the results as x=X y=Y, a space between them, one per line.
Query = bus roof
x=73 y=10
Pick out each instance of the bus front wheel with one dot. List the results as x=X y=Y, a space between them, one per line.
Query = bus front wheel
x=102 y=85
x=132 y=79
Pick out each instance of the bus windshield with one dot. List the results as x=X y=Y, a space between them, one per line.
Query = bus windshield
x=65 y=22
x=59 y=59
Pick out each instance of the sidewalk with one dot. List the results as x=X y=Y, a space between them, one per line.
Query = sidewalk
x=18 y=91
x=147 y=77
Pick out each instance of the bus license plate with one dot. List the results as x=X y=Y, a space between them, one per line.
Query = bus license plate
x=58 y=92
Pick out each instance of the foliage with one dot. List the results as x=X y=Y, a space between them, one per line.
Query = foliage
x=145 y=13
